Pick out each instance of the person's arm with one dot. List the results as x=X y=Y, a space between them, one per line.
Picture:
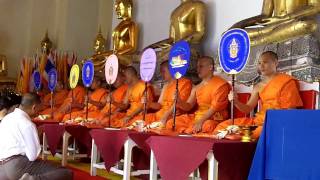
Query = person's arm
x=219 y=102
x=185 y=88
x=125 y=104
x=96 y=103
x=31 y=142
x=189 y=104
x=156 y=105
x=250 y=105
x=290 y=96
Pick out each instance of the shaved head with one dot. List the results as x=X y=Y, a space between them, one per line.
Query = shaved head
x=272 y=55
x=131 y=70
x=205 y=67
x=267 y=63
x=206 y=59
x=164 y=71
x=131 y=74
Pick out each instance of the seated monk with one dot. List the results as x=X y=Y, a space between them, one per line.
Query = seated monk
x=58 y=98
x=132 y=101
x=71 y=103
x=95 y=100
x=164 y=106
x=118 y=95
x=211 y=98
x=275 y=91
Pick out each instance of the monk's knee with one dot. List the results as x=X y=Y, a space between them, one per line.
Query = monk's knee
x=169 y=125
x=209 y=126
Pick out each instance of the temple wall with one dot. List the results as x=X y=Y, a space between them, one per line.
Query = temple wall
x=72 y=26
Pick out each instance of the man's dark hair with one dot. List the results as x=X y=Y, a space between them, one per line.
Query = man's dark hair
x=4 y=103
x=30 y=99
x=272 y=54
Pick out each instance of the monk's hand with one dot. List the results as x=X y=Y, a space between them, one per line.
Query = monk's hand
x=163 y=121
x=86 y=99
x=232 y=96
x=126 y=119
x=197 y=127
x=108 y=99
x=144 y=100
x=179 y=100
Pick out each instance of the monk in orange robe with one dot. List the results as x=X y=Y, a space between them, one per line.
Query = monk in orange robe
x=71 y=103
x=116 y=99
x=58 y=99
x=275 y=91
x=132 y=102
x=95 y=100
x=211 y=99
x=164 y=106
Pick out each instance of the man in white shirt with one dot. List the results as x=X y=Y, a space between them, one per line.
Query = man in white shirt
x=20 y=147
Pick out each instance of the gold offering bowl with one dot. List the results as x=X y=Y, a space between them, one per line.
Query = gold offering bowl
x=247 y=132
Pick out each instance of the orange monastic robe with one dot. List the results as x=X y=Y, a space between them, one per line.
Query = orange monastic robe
x=118 y=96
x=78 y=97
x=184 y=88
x=134 y=94
x=282 y=92
x=214 y=94
x=97 y=95
x=58 y=99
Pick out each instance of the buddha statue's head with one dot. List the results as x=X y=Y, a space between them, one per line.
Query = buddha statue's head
x=99 y=43
x=123 y=8
x=46 y=44
x=183 y=1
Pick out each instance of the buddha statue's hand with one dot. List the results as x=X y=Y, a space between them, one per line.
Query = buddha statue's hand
x=253 y=21
x=161 y=44
x=274 y=20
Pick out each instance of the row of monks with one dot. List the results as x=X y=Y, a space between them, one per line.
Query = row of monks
x=201 y=109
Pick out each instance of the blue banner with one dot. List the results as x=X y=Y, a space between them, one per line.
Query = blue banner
x=234 y=51
x=52 y=78
x=87 y=73
x=37 y=80
x=179 y=59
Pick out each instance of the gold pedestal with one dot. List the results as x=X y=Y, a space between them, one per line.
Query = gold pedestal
x=7 y=83
x=247 y=132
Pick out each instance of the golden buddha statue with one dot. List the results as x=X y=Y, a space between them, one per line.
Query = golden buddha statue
x=281 y=20
x=187 y=23
x=124 y=37
x=99 y=43
x=46 y=44
x=3 y=66
x=5 y=81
